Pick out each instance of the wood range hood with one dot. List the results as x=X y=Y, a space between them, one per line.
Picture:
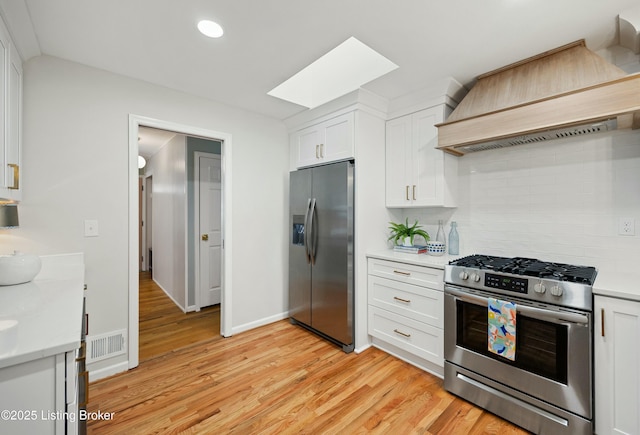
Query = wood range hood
x=565 y=92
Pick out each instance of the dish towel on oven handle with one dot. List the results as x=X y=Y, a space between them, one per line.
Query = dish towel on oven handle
x=502 y=328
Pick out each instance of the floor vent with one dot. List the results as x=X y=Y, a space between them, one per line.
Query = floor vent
x=104 y=346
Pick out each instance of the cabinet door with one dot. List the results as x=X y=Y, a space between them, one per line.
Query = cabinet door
x=328 y=141
x=10 y=117
x=427 y=161
x=399 y=188
x=14 y=125
x=617 y=366
x=417 y=173
x=307 y=145
x=338 y=138
x=36 y=390
x=5 y=44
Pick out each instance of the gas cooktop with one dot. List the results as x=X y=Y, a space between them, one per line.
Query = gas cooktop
x=530 y=267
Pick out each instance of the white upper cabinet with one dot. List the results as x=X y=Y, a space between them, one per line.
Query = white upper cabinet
x=418 y=174
x=10 y=118
x=327 y=141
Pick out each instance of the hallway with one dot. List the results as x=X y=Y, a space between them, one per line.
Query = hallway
x=164 y=327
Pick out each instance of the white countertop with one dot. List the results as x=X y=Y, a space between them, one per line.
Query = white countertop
x=43 y=317
x=617 y=285
x=437 y=262
x=613 y=284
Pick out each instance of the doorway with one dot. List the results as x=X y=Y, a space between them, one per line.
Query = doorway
x=135 y=122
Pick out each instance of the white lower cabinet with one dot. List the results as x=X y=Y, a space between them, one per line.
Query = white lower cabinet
x=33 y=396
x=617 y=366
x=405 y=312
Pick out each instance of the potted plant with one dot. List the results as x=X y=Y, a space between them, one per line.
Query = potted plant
x=404 y=233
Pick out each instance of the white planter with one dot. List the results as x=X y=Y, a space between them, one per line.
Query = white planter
x=407 y=241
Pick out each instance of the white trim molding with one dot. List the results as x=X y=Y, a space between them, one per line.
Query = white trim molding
x=135 y=121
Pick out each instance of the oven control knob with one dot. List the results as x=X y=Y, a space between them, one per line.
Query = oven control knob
x=556 y=290
x=463 y=275
x=475 y=277
x=539 y=288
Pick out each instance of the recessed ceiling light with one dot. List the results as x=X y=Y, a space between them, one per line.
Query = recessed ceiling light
x=340 y=71
x=210 y=29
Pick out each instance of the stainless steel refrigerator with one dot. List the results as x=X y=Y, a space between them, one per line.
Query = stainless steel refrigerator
x=321 y=282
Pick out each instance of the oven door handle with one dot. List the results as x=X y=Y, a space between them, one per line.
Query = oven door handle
x=557 y=317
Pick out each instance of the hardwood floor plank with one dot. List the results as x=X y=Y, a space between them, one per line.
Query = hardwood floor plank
x=281 y=379
x=164 y=327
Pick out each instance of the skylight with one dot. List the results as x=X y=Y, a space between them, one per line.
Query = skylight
x=340 y=71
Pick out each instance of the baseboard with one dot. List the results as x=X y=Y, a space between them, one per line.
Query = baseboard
x=260 y=322
x=169 y=296
x=362 y=348
x=121 y=367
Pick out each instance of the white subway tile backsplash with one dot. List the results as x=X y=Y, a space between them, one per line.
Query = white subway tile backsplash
x=557 y=201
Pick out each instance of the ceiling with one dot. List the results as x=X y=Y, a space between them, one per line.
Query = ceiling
x=150 y=140
x=266 y=42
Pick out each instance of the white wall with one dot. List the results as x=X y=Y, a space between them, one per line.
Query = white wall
x=557 y=201
x=169 y=195
x=76 y=168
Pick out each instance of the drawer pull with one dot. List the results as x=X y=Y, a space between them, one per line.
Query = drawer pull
x=407 y=301
x=402 y=333
x=16 y=176
x=402 y=273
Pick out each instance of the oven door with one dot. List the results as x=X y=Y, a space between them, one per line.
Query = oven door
x=553 y=348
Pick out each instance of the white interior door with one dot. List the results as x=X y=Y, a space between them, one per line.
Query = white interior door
x=210 y=182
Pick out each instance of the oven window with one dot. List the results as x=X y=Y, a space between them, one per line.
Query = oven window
x=541 y=347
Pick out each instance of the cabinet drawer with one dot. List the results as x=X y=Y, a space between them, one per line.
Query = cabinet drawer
x=418 y=303
x=420 y=339
x=407 y=273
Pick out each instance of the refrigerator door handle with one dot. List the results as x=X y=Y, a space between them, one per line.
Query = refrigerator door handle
x=312 y=232
x=307 y=231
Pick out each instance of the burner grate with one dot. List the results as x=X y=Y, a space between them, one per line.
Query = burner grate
x=530 y=267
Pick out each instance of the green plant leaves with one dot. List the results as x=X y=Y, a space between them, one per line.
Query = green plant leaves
x=400 y=231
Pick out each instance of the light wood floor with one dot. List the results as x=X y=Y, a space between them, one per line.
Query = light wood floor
x=165 y=327
x=281 y=379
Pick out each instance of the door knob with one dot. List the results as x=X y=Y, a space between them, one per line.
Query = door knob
x=205 y=237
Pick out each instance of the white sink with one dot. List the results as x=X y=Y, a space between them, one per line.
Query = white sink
x=18 y=268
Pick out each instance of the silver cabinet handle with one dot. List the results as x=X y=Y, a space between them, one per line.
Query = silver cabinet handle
x=317 y=147
x=407 y=192
x=402 y=273
x=407 y=301
x=414 y=192
x=404 y=334
x=322 y=151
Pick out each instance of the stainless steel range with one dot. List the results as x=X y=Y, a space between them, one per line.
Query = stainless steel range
x=518 y=340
